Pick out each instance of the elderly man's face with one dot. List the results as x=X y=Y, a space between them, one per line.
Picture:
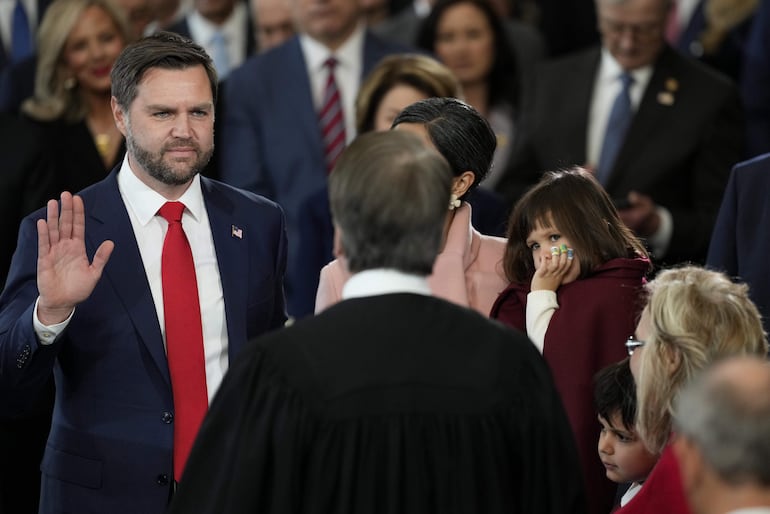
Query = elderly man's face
x=633 y=30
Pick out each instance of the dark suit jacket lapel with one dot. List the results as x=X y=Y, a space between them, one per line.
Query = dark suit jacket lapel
x=108 y=219
x=232 y=259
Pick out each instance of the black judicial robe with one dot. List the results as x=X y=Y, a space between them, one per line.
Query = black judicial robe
x=397 y=403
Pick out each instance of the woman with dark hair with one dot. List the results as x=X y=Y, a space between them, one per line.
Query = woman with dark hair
x=468 y=271
x=470 y=39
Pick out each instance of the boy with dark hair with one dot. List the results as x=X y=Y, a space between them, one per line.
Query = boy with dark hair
x=620 y=449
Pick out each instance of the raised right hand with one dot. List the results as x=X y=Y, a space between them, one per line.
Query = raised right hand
x=64 y=275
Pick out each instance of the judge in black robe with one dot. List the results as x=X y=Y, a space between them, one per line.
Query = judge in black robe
x=391 y=401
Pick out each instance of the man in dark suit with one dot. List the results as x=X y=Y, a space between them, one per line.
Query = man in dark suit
x=684 y=129
x=392 y=400
x=88 y=296
x=272 y=141
x=741 y=239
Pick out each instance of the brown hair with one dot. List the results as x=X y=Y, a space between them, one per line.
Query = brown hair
x=574 y=202
x=421 y=72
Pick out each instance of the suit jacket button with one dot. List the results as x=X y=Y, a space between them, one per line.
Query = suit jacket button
x=162 y=479
x=167 y=417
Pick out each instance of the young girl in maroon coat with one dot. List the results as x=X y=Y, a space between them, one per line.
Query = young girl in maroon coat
x=576 y=275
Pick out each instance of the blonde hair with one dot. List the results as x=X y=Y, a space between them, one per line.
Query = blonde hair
x=52 y=98
x=696 y=317
x=421 y=72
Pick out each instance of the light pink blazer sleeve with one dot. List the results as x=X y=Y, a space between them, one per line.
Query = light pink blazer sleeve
x=333 y=277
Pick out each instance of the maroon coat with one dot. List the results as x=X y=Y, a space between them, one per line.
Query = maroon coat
x=586 y=333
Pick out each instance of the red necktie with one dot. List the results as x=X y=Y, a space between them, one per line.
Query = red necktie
x=184 y=335
x=331 y=118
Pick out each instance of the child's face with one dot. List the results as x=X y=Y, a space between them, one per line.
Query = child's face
x=542 y=240
x=622 y=452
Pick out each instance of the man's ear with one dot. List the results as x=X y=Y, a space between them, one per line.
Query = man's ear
x=692 y=468
x=118 y=115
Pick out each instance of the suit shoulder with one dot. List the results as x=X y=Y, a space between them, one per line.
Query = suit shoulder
x=386 y=46
x=699 y=73
x=239 y=196
x=274 y=60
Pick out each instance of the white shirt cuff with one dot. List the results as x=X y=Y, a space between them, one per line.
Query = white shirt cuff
x=48 y=334
x=660 y=240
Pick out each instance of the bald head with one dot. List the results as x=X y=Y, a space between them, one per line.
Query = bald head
x=726 y=415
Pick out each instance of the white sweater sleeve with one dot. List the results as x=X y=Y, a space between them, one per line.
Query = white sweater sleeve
x=540 y=307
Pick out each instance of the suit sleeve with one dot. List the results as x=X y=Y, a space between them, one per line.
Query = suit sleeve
x=25 y=365
x=278 y=317
x=722 y=252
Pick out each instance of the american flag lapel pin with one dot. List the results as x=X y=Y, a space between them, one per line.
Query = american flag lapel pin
x=236 y=232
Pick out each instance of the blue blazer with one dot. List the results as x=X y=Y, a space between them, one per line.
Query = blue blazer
x=110 y=445
x=271 y=142
x=740 y=243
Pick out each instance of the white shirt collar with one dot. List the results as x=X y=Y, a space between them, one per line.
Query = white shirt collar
x=203 y=30
x=384 y=281
x=348 y=54
x=610 y=70
x=421 y=8
x=145 y=201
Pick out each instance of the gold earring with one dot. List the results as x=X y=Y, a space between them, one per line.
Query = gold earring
x=69 y=83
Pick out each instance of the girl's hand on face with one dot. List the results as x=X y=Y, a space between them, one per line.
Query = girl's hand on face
x=552 y=268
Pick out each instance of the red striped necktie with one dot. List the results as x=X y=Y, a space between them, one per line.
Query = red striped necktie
x=331 y=118
x=184 y=335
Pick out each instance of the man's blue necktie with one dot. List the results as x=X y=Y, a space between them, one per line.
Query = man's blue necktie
x=617 y=126
x=21 y=36
x=220 y=55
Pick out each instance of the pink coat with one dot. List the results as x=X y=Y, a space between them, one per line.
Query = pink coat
x=468 y=271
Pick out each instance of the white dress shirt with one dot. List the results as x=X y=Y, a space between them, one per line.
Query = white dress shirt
x=142 y=204
x=606 y=88
x=234 y=30
x=347 y=73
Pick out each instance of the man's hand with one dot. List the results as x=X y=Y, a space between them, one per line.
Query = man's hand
x=64 y=275
x=641 y=215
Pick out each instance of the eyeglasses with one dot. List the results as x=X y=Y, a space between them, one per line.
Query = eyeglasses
x=640 y=31
x=632 y=344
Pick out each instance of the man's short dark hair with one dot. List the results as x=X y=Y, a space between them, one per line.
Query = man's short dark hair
x=164 y=50
x=615 y=392
x=389 y=196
